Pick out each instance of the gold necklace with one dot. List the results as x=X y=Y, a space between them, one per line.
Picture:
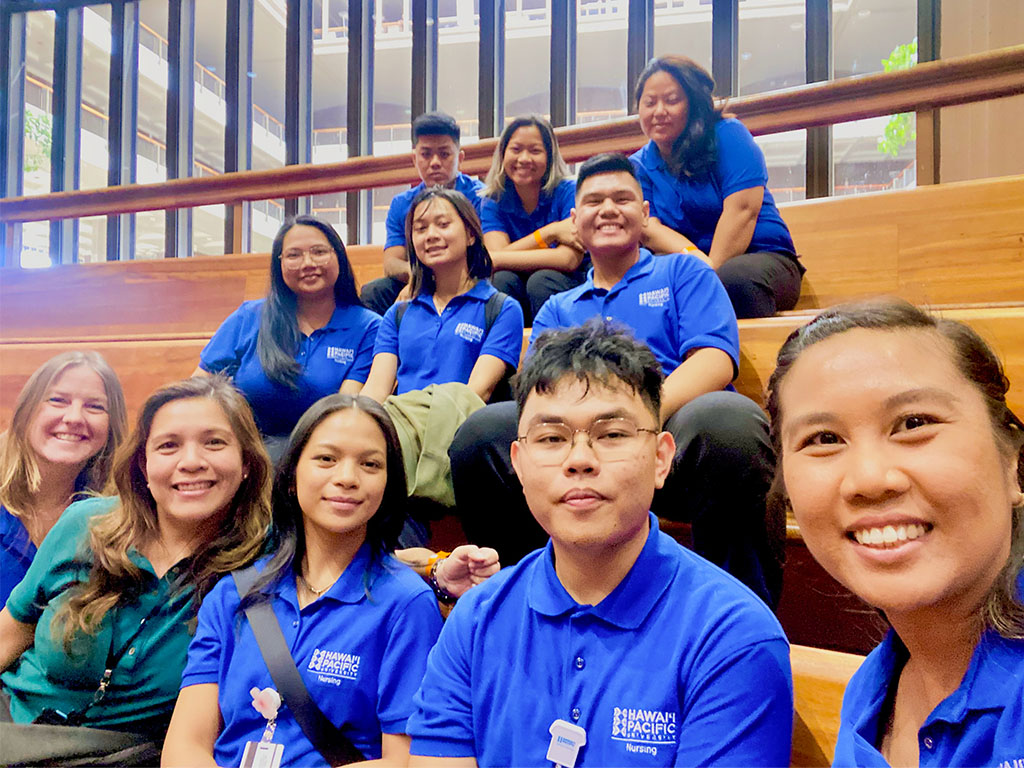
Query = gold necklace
x=308 y=586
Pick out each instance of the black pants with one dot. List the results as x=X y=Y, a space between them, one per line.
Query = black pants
x=720 y=476
x=761 y=284
x=381 y=293
x=532 y=289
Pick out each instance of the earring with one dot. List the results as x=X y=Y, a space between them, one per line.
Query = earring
x=1020 y=499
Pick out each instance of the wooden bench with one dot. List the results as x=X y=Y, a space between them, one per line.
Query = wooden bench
x=819 y=679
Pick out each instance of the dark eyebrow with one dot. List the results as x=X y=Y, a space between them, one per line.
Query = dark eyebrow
x=616 y=413
x=900 y=399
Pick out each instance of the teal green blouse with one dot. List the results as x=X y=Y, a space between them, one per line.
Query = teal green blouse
x=145 y=681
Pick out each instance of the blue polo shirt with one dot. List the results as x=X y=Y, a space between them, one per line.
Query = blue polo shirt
x=16 y=553
x=680 y=665
x=673 y=303
x=507 y=214
x=361 y=650
x=394 y=225
x=693 y=206
x=437 y=348
x=980 y=723
x=342 y=349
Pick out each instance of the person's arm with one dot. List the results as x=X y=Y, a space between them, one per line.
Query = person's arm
x=736 y=225
x=351 y=387
x=660 y=238
x=487 y=372
x=394 y=752
x=525 y=254
x=200 y=372
x=194 y=727
x=707 y=369
x=466 y=566
x=416 y=761
x=396 y=263
x=15 y=638
x=383 y=374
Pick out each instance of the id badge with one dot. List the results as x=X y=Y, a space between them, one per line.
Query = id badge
x=262 y=754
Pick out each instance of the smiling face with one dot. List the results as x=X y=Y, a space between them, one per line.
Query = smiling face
x=585 y=503
x=663 y=110
x=610 y=214
x=893 y=471
x=437 y=159
x=71 y=423
x=309 y=263
x=525 y=160
x=341 y=475
x=439 y=236
x=193 y=464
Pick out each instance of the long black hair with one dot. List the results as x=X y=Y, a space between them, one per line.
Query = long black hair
x=288 y=538
x=478 y=260
x=278 y=338
x=695 y=152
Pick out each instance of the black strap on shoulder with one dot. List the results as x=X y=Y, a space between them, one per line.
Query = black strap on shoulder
x=400 y=311
x=336 y=747
x=492 y=309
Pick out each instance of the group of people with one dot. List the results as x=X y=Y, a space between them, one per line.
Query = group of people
x=272 y=491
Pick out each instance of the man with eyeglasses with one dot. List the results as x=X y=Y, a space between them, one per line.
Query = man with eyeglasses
x=675 y=304
x=613 y=645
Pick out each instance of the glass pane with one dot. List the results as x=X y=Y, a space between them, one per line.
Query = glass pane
x=771 y=45
x=392 y=96
x=35 y=235
x=527 y=58
x=209 y=118
x=786 y=157
x=268 y=66
x=92 y=239
x=267 y=218
x=458 y=65
x=208 y=230
x=880 y=152
x=151 y=147
x=149 y=235
x=330 y=100
x=683 y=27
x=601 y=89
x=93 y=164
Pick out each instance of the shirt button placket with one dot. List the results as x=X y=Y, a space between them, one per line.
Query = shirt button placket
x=580 y=663
x=576 y=714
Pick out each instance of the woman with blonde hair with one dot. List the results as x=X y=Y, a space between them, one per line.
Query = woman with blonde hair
x=68 y=420
x=524 y=208
x=96 y=634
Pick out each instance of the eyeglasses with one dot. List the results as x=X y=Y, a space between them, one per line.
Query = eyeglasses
x=549 y=444
x=318 y=254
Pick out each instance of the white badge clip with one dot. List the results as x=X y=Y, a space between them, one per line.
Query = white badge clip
x=264 y=753
x=566 y=740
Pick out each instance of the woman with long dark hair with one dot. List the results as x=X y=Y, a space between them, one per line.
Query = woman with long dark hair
x=904 y=467
x=706 y=181
x=524 y=208
x=359 y=623
x=308 y=338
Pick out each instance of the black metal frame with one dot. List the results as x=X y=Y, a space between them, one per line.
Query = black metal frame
x=491 y=83
x=563 y=62
x=180 y=118
x=12 y=116
x=238 y=123
x=640 y=35
x=725 y=26
x=298 y=96
x=359 y=205
x=818 y=67
x=122 y=132
x=66 y=143
x=424 y=57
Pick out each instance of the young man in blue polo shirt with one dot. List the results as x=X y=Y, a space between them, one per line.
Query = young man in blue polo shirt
x=675 y=304
x=613 y=645
x=436 y=153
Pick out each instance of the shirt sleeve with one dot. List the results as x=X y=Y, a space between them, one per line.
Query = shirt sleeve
x=223 y=353
x=646 y=186
x=505 y=339
x=394 y=224
x=60 y=561
x=413 y=633
x=387 y=333
x=706 y=316
x=565 y=200
x=360 y=368
x=546 y=319
x=723 y=723
x=490 y=216
x=442 y=725
x=741 y=162
x=215 y=626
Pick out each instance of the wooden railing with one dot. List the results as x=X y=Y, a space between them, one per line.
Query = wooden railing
x=927 y=86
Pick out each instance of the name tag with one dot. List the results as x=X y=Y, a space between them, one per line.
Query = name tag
x=566 y=741
x=262 y=754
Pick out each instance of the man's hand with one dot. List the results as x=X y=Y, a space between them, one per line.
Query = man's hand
x=465 y=567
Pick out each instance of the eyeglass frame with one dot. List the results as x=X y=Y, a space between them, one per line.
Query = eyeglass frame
x=572 y=437
x=298 y=255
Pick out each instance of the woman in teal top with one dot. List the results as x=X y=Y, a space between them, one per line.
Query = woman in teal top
x=117 y=583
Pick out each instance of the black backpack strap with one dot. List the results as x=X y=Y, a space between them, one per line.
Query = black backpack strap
x=336 y=747
x=400 y=311
x=492 y=309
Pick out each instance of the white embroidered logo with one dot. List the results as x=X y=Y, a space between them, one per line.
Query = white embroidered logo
x=342 y=355
x=1017 y=762
x=332 y=666
x=657 y=298
x=643 y=729
x=469 y=332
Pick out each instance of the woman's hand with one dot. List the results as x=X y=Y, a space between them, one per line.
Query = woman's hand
x=465 y=567
x=562 y=232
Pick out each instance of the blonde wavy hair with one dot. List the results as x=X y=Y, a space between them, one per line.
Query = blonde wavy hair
x=555 y=172
x=134 y=520
x=19 y=471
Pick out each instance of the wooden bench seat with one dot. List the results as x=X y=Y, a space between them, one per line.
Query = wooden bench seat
x=819 y=679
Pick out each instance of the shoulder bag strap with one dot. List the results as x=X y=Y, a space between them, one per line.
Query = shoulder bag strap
x=336 y=747
x=399 y=314
x=492 y=309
